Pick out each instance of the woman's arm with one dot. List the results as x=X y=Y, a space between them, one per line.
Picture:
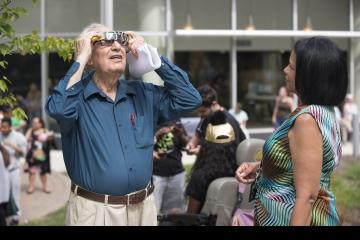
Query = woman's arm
x=306 y=147
x=275 y=111
x=194 y=206
x=291 y=103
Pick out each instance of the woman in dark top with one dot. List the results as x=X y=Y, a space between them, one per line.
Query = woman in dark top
x=38 y=156
x=216 y=159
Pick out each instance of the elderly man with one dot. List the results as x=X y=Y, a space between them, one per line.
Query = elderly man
x=107 y=127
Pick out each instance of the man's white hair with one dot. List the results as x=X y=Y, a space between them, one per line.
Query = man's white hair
x=91 y=28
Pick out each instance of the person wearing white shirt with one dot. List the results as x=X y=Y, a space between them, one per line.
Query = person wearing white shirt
x=15 y=144
x=242 y=117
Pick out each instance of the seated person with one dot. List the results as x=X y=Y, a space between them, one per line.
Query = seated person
x=216 y=159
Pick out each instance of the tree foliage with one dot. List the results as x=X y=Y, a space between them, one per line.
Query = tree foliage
x=11 y=42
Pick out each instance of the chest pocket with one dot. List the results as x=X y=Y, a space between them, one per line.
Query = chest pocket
x=143 y=132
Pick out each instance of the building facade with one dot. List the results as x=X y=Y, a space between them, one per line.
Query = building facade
x=238 y=46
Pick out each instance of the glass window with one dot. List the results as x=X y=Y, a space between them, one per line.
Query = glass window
x=141 y=15
x=320 y=14
x=204 y=14
x=71 y=15
x=356 y=15
x=207 y=67
x=260 y=75
x=266 y=15
x=22 y=70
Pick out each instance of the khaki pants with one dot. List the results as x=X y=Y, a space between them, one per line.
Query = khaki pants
x=84 y=212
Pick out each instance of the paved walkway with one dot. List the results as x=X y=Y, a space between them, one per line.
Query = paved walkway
x=39 y=204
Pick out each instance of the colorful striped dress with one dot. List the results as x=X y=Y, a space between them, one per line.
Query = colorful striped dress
x=275 y=196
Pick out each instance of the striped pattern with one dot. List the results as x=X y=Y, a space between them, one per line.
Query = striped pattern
x=275 y=196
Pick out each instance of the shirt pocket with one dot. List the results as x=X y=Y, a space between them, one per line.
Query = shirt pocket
x=143 y=132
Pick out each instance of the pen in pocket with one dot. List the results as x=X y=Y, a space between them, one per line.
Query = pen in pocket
x=132 y=119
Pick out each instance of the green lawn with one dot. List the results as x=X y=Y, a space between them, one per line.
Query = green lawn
x=56 y=218
x=345 y=185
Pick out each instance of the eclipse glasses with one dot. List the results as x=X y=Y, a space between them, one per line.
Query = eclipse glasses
x=108 y=38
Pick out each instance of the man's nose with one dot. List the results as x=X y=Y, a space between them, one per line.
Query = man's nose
x=115 y=46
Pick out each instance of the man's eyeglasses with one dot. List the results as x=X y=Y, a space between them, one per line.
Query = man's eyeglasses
x=108 y=38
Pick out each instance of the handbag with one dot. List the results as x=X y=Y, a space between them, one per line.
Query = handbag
x=242 y=217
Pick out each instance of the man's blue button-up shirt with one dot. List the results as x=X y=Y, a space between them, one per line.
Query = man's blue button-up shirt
x=108 y=145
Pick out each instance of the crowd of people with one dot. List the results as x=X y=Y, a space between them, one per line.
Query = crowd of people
x=15 y=145
x=123 y=174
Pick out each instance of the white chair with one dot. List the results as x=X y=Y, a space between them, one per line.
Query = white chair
x=222 y=192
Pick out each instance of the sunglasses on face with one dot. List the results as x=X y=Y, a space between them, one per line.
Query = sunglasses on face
x=108 y=38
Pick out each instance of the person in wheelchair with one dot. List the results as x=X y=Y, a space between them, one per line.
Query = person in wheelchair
x=216 y=159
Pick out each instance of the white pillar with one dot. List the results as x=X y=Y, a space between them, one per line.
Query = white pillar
x=169 y=27
x=152 y=19
x=233 y=57
x=107 y=13
x=44 y=65
x=295 y=15
x=355 y=48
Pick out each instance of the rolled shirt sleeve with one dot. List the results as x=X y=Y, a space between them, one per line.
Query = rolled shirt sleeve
x=62 y=105
x=178 y=95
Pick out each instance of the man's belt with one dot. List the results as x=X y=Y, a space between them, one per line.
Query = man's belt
x=131 y=198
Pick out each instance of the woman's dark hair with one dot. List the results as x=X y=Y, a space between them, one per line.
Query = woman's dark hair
x=217 y=157
x=7 y=120
x=41 y=121
x=208 y=95
x=321 y=72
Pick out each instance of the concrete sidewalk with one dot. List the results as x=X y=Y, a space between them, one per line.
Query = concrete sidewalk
x=39 y=204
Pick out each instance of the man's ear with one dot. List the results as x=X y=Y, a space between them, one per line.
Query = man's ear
x=90 y=64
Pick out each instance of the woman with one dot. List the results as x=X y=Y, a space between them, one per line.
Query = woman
x=38 y=156
x=293 y=187
x=216 y=159
x=284 y=105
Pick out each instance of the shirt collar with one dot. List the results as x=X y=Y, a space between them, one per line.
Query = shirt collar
x=123 y=89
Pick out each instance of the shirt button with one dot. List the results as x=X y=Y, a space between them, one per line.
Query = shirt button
x=130 y=169
x=120 y=125
x=125 y=147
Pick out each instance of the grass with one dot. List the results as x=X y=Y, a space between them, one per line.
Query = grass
x=188 y=171
x=56 y=218
x=346 y=187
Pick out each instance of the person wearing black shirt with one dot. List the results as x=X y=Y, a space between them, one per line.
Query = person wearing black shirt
x=210 y=105
x=216 y=159
x=168 y=170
